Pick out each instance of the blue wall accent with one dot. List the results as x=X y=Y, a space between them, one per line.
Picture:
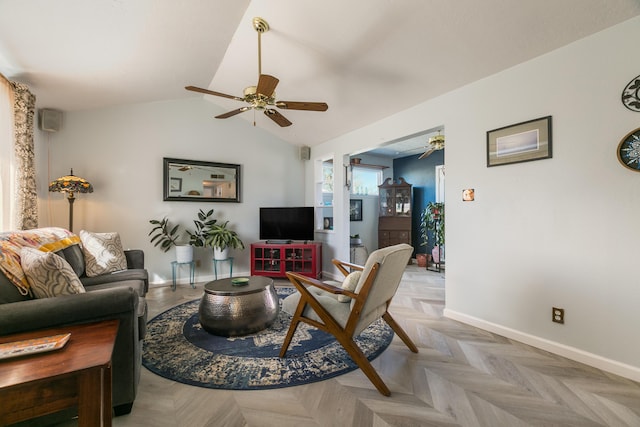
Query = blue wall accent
x=422 y=175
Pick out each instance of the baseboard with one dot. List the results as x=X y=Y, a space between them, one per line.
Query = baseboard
x=608 y=365
x=183 y=279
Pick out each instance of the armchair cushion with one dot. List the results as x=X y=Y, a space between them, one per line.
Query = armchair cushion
x=338 y=310
x=103 y=253
x=48 y=274
x=350 y=283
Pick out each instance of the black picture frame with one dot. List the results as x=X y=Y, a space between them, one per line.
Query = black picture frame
x=175 y=184
x=355 y=210
x=200 y=181
x=327 y=223
x=521 y=142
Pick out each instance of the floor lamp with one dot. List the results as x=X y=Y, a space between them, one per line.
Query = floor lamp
x=71 y=184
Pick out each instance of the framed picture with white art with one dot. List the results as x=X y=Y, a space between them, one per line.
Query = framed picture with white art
x=521 y=142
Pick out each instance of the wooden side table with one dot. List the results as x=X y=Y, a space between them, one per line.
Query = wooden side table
x=79 y=375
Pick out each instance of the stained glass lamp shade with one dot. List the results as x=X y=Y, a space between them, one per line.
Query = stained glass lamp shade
x=71 y=184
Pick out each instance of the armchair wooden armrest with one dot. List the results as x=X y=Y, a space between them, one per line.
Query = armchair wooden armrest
x=343 y=265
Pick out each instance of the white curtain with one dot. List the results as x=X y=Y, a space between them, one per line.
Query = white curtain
x=7 y=157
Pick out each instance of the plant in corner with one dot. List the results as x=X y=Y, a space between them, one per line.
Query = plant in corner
x=221 y=238
x=432 y=220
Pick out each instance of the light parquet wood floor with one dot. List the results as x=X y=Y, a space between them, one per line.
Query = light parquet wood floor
x=462 y=376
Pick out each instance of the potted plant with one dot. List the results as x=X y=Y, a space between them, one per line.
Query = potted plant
x=164 y=236
x=221 y=238
x=432 y=221
x=203 y=226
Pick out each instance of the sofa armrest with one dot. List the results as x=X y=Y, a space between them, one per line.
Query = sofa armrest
x=135 y=258
x=116 y=303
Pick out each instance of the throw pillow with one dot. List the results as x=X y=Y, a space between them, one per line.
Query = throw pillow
x=103 y=253
x=350 y=283
x=48 y=274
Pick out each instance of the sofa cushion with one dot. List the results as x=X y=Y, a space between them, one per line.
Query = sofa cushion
x=135 y=284
x=74 y=256
x=103 y=253
x=48 y=274
x=117 y=276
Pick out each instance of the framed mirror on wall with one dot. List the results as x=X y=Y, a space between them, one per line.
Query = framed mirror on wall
x=198 y=181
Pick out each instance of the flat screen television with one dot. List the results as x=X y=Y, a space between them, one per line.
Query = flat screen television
x=282 y=224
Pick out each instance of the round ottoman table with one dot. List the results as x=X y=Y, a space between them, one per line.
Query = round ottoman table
x=238 y=306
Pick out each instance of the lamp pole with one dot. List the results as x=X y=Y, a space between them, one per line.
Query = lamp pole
x=71 y=199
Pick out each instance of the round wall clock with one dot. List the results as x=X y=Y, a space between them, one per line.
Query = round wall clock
x=631 y=95
x=629 y=150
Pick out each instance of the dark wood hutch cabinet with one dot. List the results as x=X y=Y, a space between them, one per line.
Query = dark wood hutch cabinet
x=394 y=213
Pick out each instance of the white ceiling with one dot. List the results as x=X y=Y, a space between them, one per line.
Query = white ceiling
x=367 y=59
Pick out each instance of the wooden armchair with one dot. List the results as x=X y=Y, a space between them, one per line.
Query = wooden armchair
x=317 y=304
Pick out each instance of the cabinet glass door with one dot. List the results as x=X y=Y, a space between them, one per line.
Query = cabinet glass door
x=403 y=202
x=386 y=202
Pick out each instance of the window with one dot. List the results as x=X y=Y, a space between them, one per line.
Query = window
x=365 y=180
x=327 y=177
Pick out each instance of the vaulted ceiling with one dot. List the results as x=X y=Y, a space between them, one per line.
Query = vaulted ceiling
x=367 y=59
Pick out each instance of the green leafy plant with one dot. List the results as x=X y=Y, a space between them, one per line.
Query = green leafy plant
x=163 y=234
x=203 y=227
x=221 y=237
x=432 y=220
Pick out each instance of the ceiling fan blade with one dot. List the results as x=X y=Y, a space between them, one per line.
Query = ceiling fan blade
x=267 y=85
x=211 y=92
x=277 y=117
x=233 y=113
x=426 y=153
x=309 y=106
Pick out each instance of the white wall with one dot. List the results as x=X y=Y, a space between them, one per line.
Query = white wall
x=120 y=150
x=559 y=232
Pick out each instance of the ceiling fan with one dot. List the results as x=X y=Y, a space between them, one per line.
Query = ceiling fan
x=263 y=96
x=435 y=143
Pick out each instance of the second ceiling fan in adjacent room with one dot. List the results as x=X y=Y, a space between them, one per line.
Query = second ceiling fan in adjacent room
x=435 y=143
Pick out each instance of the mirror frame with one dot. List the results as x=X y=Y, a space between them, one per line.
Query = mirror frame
x=167 y=162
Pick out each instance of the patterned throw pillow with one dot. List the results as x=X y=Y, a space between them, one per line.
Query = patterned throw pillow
x=350 y=283
x=48 y=274
x=103 y=253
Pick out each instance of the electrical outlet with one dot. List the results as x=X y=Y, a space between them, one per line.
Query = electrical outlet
x=557 y=315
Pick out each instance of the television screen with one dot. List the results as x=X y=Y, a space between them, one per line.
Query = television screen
x=282 y=224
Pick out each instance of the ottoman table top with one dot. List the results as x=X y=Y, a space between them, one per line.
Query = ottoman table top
x=227 y=287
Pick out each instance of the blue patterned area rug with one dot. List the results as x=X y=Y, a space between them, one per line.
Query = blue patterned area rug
x=176 y=347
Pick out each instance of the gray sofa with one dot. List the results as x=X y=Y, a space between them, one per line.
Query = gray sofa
x=118 y=295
